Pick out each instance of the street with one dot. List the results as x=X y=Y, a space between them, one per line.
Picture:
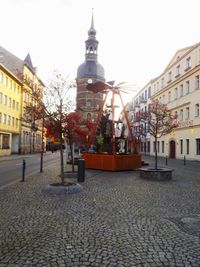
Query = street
x=11 y=168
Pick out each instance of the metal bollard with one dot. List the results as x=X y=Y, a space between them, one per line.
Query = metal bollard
x=81 y=170
x=166 y=162
x=184 y=160
x=23 y=170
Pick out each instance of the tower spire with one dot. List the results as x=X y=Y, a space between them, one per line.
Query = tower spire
x=92 y=31
x=92 y=22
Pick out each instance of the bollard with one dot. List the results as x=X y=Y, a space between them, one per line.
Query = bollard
x=184 y=160
x=166 y=162
x=23 y=170
x=81 y=170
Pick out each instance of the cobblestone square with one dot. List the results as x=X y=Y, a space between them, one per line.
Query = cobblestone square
x=118 y=219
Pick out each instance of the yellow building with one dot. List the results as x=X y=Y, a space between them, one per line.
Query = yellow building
x=179 y=87
x=10 y=112
x=30 y=131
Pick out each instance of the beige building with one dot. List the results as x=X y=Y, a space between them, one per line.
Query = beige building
x=178 y=87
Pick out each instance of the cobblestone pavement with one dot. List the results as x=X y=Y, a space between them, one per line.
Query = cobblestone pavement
x=117 y=220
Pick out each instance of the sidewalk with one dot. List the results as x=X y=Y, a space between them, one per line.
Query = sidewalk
x=117 y=220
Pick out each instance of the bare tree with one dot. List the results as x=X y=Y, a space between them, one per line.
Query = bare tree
x=160 y=121
x=58 y=102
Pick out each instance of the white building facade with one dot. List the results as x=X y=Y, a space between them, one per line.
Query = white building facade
x=178 y=87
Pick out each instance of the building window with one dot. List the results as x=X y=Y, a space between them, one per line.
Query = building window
x=17 y=122
x=181 y=90
x=197 y=110
x=13 y=121
x=163 y=99
x=4 y=118
x=1 y=98
x=158 y=146
x=6 y=81
x=198 y=146
x=169 y=76
x=149 y=92
x=162 y=82
x=177 y=71
x=197 y=82
x=175 y=93
x=187 y=113
x=148 y=146
x=38 y=139
x=145 y=94
x=1 y=77
x=142 y=146
x=17 y=105
x=187 y=89
x=157 y=86
x=187 y=146
x=10 y=84
x=188 y=64
x=0 y=117
x=5 y=100
x=9 y=102
x=181 y=146
x=9 y=119
x=163 y=146
x=5 y=141
x=169 y=96
x=181 y=115
x=13 y=104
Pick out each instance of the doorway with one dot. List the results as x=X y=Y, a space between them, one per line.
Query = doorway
x=172 y=151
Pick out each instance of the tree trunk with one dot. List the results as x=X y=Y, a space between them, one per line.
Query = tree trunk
x=61 y=160
x=72 y=154
x=156 y=154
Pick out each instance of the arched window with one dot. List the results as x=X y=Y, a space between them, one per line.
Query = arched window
x=89 y=116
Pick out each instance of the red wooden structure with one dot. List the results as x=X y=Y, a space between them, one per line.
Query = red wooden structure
x=113 y=162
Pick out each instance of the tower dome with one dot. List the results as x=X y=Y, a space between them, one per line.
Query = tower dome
x=90 y=68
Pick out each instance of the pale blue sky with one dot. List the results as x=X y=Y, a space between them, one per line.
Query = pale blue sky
x=136 y=38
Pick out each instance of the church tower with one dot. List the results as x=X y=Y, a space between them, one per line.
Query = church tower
x=87 y=102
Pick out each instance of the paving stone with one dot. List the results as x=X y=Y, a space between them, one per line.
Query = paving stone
x=116 y=220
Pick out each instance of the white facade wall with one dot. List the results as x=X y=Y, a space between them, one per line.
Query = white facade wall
x=181 y=92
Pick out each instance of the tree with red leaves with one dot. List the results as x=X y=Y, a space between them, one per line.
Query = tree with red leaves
x=56 y=111
x=160 y=121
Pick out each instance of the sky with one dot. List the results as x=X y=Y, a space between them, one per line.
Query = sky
x=137 y=38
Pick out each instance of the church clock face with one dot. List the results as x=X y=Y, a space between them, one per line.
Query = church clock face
x=89 y=81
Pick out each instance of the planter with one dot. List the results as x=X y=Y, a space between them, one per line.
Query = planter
x=112 y=162
x=161 y=174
